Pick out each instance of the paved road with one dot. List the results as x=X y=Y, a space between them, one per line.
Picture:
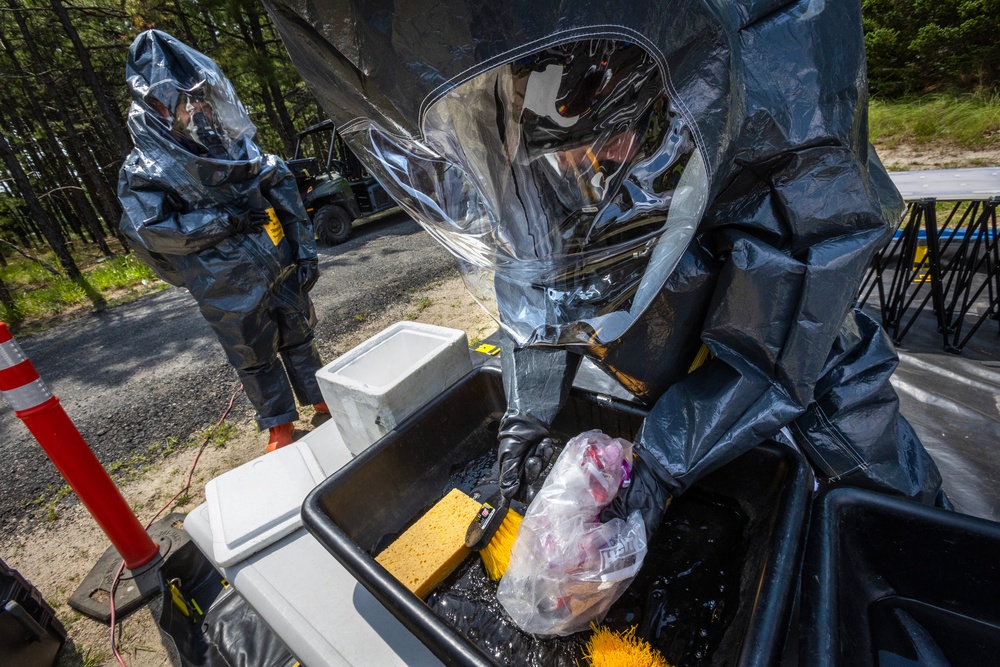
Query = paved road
x=142 y=372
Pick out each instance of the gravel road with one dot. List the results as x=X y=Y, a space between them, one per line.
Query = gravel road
x=139 y=373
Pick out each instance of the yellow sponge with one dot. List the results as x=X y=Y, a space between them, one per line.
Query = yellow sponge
x=433 y=547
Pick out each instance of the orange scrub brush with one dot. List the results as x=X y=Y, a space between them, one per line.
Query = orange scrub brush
x=492 y=533
x=607 y=648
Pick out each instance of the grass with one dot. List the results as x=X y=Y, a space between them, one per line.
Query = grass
x=420 y=306
x=93 y=658
x=119 y=273
x=970 y=122
x=51 y=495
x=45 y=507
x=76 y=656
x=218 y=436
x=40 y=297
x=133 y=467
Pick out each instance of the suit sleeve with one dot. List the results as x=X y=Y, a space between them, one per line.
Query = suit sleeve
x=278 y=186
x=152 y=221
x=796 y=236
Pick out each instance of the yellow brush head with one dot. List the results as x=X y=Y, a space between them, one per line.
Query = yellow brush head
x=496 y=554
x=607 y=648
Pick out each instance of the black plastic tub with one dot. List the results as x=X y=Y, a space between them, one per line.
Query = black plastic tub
x=30 y=633
x=359 y=510
x=894 y=584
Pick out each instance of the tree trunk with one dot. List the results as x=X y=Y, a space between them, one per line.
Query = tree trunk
x=41 y=217
x=64 y=212
x=285 y=127
x=7 y=299
x=24 y=229
x=55 y=172
x=104 y=198
x=110 y=207
x=82 y=205
x=112 y=117
x=187 y=35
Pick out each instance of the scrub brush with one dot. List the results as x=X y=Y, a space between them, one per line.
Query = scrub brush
x=607 y=648
x=492 y=533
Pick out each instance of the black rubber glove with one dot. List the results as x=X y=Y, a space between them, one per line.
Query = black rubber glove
x=647 y=492
x=246 y=221
x=308 y=273
x=524 y=452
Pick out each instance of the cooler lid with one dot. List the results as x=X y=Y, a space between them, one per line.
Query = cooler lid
x=255 y=505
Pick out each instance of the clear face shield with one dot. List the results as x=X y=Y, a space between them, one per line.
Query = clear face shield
x=204 y=119
x=565 y=182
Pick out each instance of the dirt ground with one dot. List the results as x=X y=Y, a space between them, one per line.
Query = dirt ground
x=57 y=553
x=916 y=157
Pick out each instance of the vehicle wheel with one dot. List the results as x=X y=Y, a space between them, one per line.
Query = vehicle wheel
x=332 y=225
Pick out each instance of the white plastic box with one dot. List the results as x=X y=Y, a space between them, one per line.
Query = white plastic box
x=381 y=382
x=251 y=529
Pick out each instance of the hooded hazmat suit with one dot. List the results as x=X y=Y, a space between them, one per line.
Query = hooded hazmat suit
x=682 y=191
x=195 y=191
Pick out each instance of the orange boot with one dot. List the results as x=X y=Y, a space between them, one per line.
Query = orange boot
x=281 y=435
x=321 y=408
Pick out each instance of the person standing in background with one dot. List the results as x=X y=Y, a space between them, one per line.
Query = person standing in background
x=209 y=211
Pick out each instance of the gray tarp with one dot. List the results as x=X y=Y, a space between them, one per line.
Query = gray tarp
x=953 y=402
x=470 y=113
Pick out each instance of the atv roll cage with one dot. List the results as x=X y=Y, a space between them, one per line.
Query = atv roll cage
x=335 y=192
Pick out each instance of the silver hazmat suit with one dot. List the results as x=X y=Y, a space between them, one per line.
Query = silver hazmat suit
x=195 y=190
x=634 y=182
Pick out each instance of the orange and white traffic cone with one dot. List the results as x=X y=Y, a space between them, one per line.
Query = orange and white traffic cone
x=41 y=412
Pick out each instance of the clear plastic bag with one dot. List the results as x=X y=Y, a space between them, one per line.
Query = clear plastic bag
x=567 y=568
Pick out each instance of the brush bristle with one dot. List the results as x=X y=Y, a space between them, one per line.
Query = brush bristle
x=607 y=648
x=496 y=554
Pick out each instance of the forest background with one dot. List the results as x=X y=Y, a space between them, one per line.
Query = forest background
x=933 y=74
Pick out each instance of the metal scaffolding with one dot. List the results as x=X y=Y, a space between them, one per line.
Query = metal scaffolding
x=952 y=265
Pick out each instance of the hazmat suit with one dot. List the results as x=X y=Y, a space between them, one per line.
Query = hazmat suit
x=681 y=191
x=207 y=210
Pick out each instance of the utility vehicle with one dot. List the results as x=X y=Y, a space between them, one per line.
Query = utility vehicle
x=335 y=192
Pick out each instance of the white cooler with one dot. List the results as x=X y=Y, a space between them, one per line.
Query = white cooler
x=381 y=382
x=250 y=524
x=250 y=527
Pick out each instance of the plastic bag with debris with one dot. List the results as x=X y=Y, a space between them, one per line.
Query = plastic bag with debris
x=567 y=568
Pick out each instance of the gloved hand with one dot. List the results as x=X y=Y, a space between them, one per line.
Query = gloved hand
x=308 y=273
x=646 y=492
x=524 y=452
x=245 y=221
